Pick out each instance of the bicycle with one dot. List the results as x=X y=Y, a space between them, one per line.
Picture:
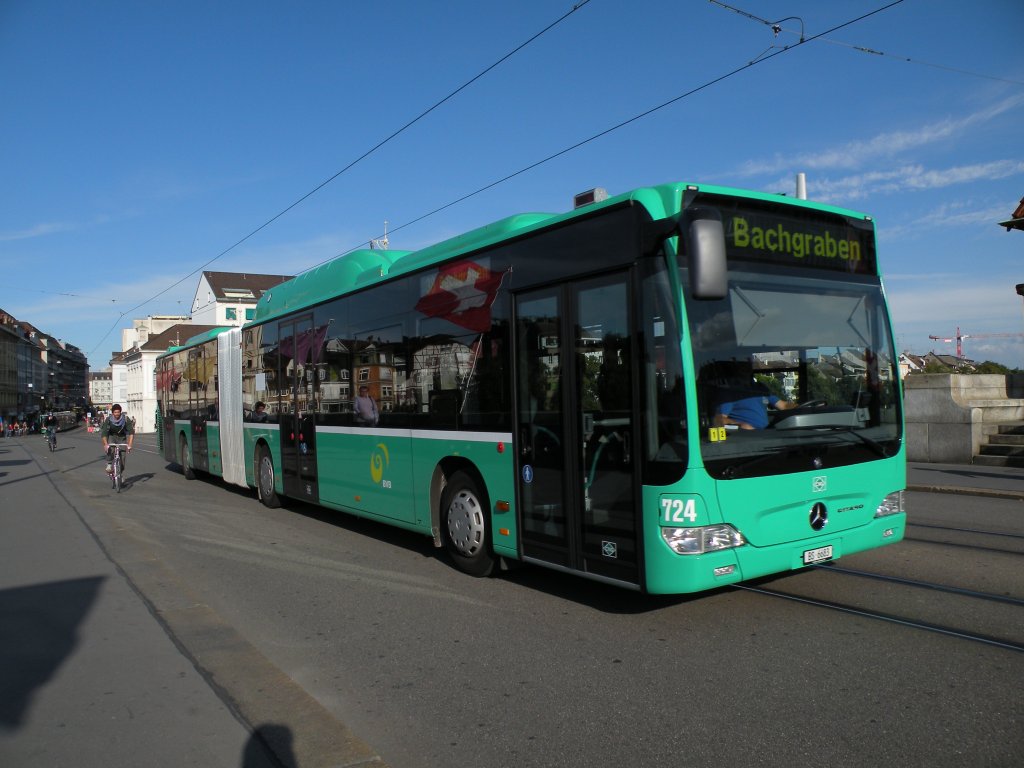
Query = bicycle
x=116 y=465
x=51 y=438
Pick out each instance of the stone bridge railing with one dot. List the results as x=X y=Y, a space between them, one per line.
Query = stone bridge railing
x=949 y=416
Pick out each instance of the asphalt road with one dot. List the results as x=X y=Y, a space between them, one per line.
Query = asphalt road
x=360 y=644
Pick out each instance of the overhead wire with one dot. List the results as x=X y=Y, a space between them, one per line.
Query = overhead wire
x=776 y=27
x=635 y=118
x=909 y=60
x=577 y=6
x=708 y=84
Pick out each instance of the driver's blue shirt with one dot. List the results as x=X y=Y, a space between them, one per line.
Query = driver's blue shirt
x=750 y=410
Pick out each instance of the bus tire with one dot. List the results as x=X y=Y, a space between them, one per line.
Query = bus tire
x=186 y=459
x=464 y=526
x=265 y=478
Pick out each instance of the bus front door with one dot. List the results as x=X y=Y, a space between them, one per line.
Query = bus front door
x=578 y=484
x=298 y=410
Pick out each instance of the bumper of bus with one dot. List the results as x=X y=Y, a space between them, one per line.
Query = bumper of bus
x=672 y=573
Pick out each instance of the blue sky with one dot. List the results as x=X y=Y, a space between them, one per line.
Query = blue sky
x=142 y=140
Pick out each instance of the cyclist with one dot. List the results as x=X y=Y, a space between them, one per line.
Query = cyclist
x=50 y=423
x=118 y=426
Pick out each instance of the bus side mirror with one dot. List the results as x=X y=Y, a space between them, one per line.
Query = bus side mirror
x=705 y=236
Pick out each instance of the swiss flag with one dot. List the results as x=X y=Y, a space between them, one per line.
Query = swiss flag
x=462 y=293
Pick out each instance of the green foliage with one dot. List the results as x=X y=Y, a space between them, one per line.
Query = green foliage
x=773 y=384
x=821 y=387
x=990 y=367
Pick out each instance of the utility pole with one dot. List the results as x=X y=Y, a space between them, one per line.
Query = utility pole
x=381 y=244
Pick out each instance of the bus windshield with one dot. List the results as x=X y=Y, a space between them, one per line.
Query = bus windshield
x=795 y=372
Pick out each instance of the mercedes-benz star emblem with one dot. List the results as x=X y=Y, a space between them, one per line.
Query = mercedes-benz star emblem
x=819 y=516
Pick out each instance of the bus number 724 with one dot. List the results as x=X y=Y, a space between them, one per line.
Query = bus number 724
x=679 y=510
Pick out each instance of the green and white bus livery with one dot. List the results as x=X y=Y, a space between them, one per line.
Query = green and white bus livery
x=570 y=390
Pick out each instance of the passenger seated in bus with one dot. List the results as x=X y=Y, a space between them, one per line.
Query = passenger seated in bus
x=259 y=413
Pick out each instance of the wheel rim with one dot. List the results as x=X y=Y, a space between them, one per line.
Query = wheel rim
x=466 y=523
x=266 y=476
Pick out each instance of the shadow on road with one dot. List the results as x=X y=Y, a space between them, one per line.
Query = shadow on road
x=38 y=631
x=129 y=482
x=273 y=739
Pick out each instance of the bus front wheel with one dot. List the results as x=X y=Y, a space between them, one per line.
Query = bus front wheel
x=265 y=479
x=464 y=525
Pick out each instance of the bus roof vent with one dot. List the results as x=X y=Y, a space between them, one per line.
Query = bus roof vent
x=595 y=195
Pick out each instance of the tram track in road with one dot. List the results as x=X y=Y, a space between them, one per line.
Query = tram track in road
x=952 y=529
x=970 y=538
x=923 y=584
x=963 y=583
x=948 y=631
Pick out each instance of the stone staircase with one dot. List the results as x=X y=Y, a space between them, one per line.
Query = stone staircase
x=1003 y=446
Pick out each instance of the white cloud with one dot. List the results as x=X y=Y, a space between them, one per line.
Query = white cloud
x=39 y=230
x=949 y=215
x=855 y=154
x=910 y=178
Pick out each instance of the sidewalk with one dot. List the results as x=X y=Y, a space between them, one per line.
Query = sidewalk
x=88 y=677
x=107 y=658
x=977 y=480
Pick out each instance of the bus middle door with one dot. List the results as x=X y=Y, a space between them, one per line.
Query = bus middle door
x=298 y=410
x=198 y=408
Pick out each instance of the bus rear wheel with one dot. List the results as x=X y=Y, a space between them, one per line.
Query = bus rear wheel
x=464 y=526
x=186 y=459
x=265 y=479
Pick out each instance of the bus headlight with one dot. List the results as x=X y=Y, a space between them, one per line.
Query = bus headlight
x=891 y=505
x=707 y=538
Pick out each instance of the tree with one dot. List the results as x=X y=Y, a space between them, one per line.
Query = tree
x=773 y=384
x=991 y=367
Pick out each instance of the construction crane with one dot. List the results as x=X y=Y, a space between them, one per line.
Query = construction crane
x=961 y=336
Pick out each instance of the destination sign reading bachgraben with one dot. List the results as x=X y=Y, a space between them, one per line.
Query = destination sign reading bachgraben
x=779 y=235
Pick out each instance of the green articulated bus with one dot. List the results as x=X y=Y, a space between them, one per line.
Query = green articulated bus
x=668 y=390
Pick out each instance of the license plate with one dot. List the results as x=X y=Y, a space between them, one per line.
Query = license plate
x=817 y=555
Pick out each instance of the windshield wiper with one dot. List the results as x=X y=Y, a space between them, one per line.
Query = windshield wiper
x=874 y=445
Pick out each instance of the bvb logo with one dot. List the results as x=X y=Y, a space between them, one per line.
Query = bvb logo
x=379 y=461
